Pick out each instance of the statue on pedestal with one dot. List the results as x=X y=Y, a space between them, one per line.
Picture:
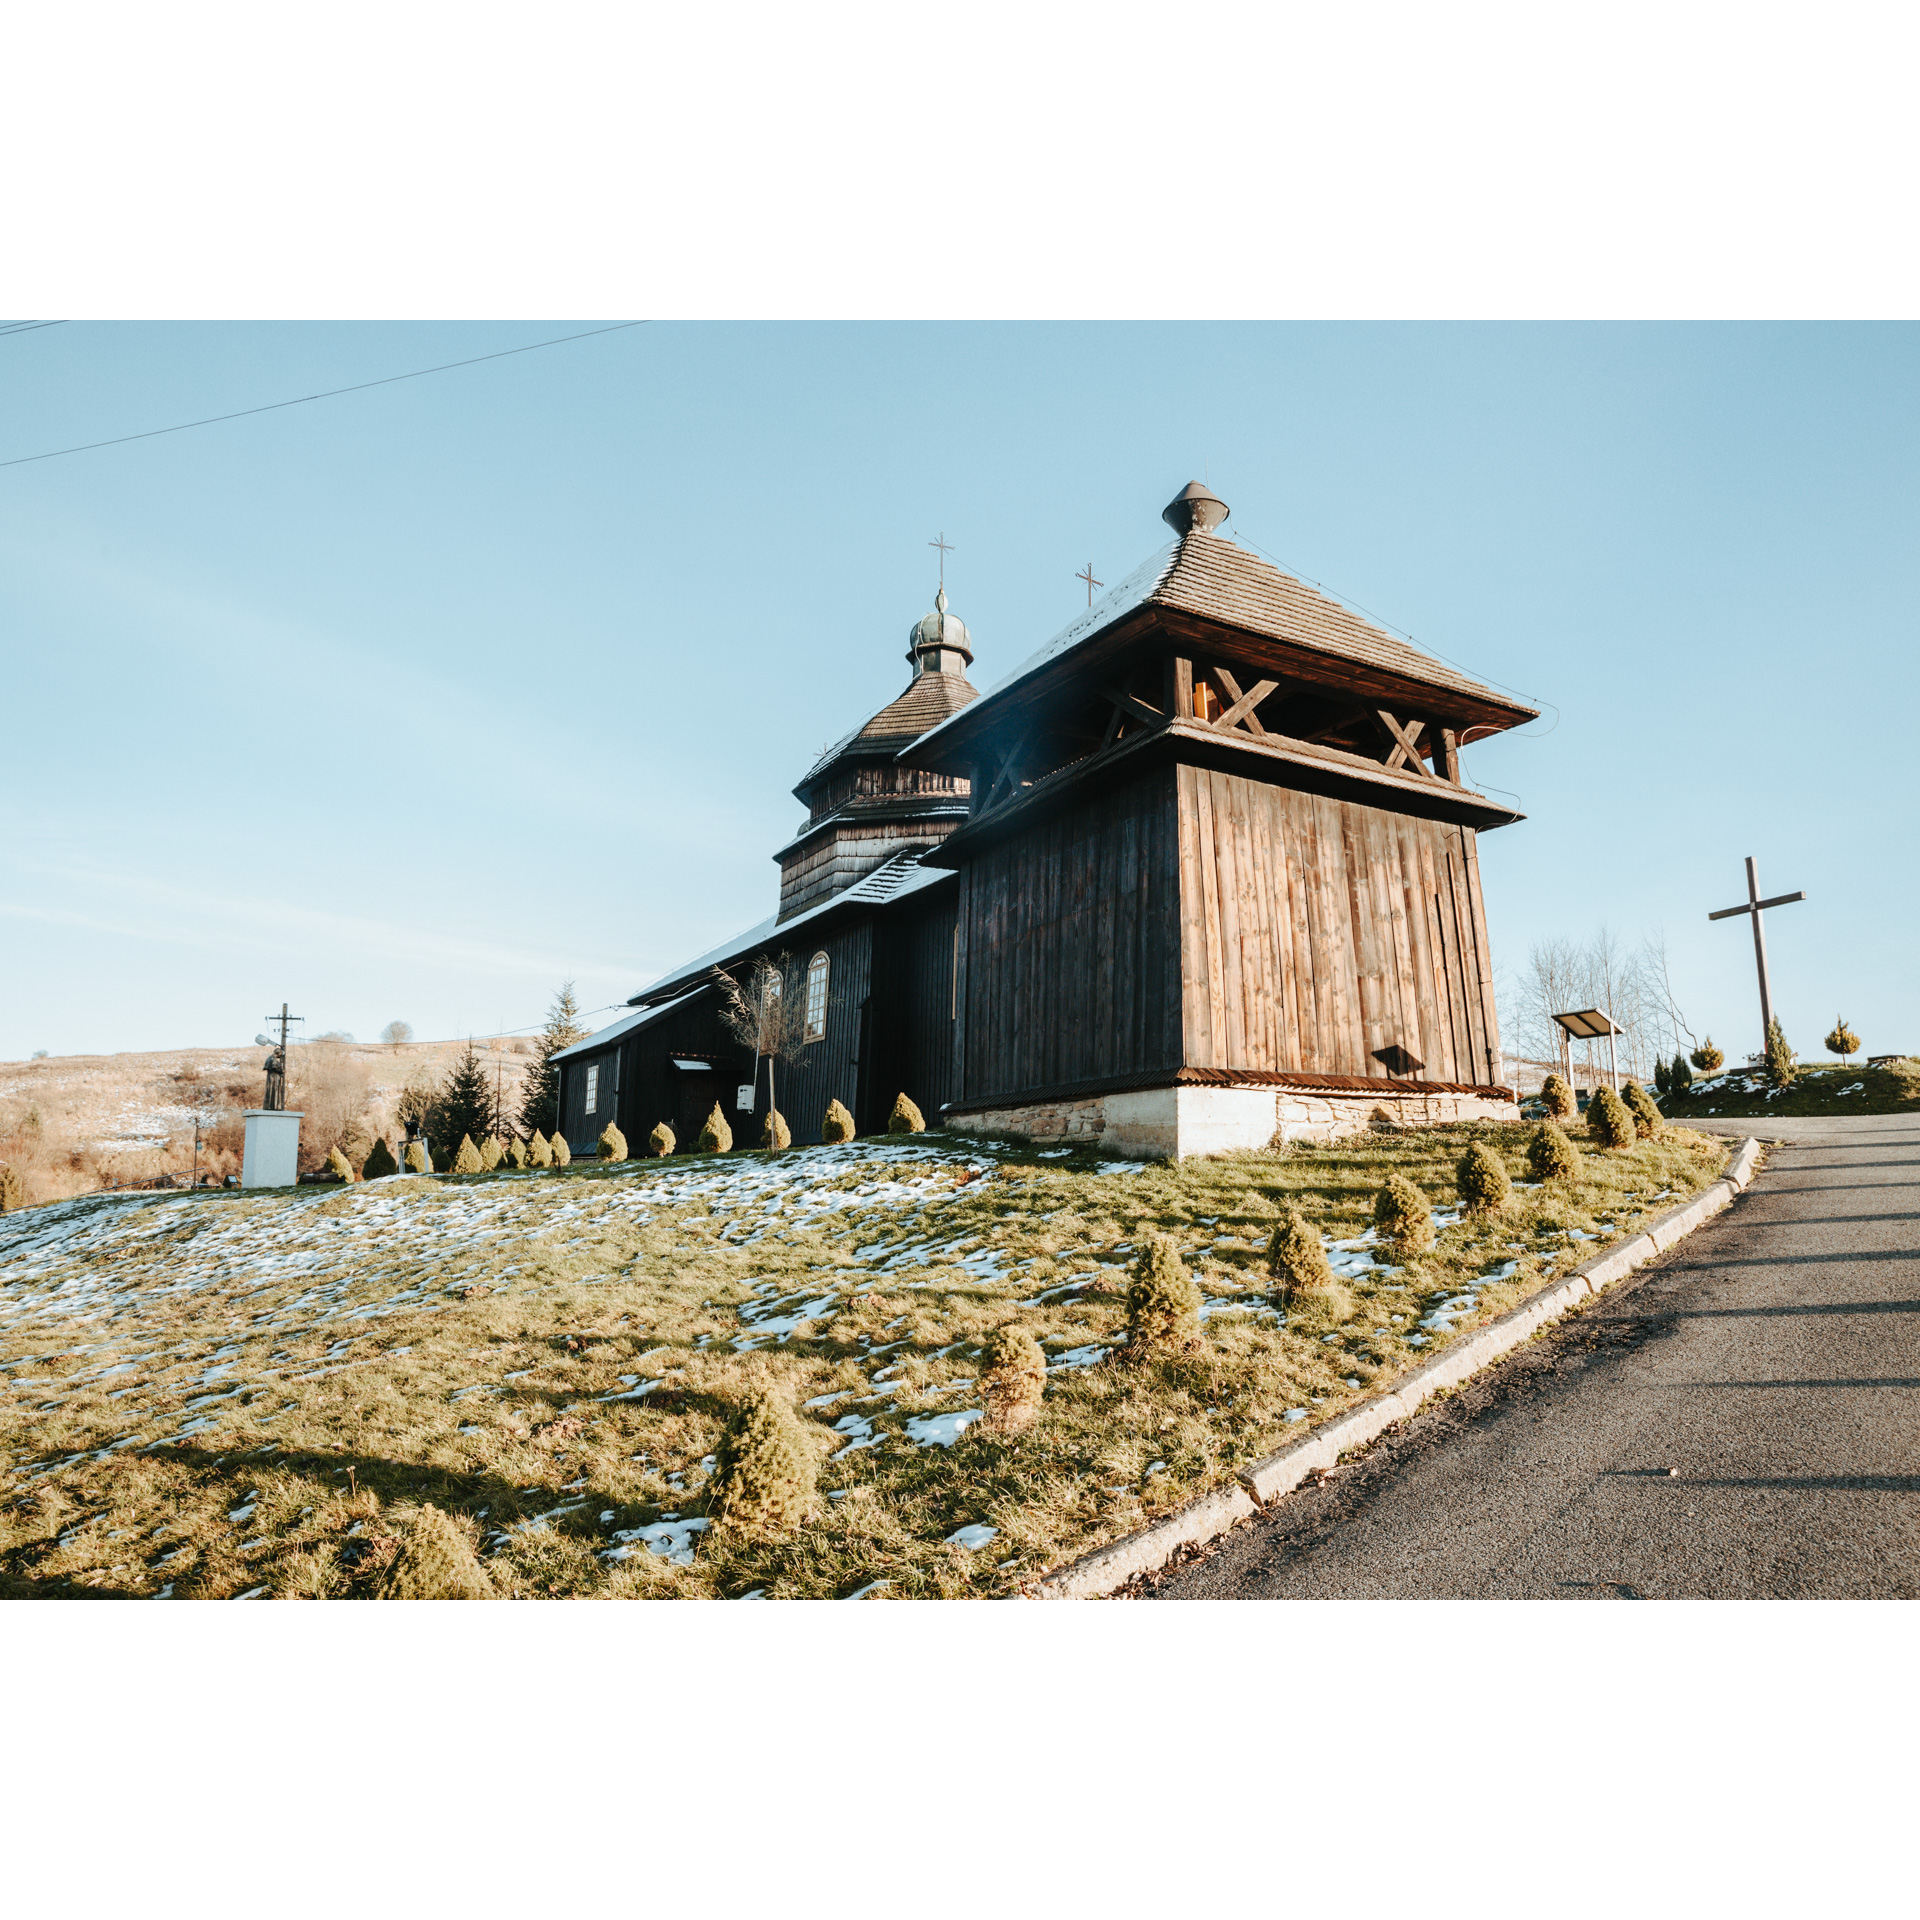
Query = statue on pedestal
x=276 y=1100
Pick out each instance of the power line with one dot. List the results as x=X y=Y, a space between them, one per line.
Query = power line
x=332 y=393
x=29 y=326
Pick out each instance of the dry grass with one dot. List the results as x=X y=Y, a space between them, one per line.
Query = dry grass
x=216 y=1394
x=84 y=1122
x=1740 y=1092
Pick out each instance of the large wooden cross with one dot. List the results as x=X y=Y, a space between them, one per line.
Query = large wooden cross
x=1756 y=907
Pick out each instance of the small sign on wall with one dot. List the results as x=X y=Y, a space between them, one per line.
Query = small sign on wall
x=743 y=1099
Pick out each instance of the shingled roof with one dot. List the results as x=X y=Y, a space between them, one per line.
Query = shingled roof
x=1213 y=577
x=930 y=698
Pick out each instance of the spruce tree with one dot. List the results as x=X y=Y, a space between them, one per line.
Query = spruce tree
x=1557 y=1097
x=464 y=1110
x=1707 y=1057
x=340 y=1166
x=613 y=1143
x=1843 y=1040
x=905 y=1117
x=838 y=1125
x=1646 y=1116
x=557 y=1146
x=1780 y=1069
x=661 y=1142
x=466 y=1158
x=380 y=1162
x=540 y=1095
x=539 y=1152
x=1679 y=1078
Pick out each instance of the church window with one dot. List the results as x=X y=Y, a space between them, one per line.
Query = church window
x=817 y=997
x=593 y=1088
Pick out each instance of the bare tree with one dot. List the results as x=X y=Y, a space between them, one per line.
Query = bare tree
x=396 y=1033
x=759 y=1012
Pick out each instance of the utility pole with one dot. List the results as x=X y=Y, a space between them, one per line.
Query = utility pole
x=1756 y=907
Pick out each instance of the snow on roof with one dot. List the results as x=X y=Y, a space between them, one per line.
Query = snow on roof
x=893 y=879
x=619 y=1029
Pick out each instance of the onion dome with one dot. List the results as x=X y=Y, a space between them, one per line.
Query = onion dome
x=1194 y=509
x=940 y=642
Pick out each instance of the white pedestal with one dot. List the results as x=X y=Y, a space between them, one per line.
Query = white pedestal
x=272 y=1157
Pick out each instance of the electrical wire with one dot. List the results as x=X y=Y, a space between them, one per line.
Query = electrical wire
x=332 y=393
x=29 y=326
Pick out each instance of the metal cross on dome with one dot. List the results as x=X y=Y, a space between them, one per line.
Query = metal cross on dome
x=1090 y=580
x=941 y=543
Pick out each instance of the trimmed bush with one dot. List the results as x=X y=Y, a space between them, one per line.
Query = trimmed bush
x=12 y=1194
x=467 y=1160
x=716 y=1136
x=1646 y=1116
x=435 y=1562
x=838 y=1125
x=1679 y=1078
x=768 y=1470
x=905 y=1117
x=379 y=1162
x=1481 y=1178
x=1557 y=1097
x=562 y=1153
x=1780 y=1070
x=339 y=1166
x=491 y=1153
x=1296 y=1258
x=516 y=1152
x=1662 y=1078
x=660 y=1142
x=1551 y=1155
x=1707 y=1057
x=1402 y=1216
x=1842 y=1040
x=613 y=1143
x=417 y=1157
x=1610 y=1120
x=1013 y=1381
x=539 y=1153
x=1163 y=1304
x=775 y=1134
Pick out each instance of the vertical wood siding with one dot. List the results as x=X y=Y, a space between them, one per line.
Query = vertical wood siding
x=1069 y=947
x=1317 y=933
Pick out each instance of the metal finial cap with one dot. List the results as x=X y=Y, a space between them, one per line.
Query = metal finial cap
x=1194 y=507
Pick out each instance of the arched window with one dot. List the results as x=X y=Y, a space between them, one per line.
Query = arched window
x=817 y=997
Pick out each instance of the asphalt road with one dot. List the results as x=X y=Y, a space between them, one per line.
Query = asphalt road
x=1772 y=1358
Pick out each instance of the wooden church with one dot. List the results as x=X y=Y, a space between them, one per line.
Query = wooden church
x=1200 y=873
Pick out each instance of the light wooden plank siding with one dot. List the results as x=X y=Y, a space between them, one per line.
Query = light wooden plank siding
x=1070 y=950
x=1317 y=933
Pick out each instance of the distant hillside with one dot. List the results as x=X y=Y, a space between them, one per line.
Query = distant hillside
x=80 y=1122
x=1742 y=1093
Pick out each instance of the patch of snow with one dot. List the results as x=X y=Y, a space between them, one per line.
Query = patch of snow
x=973 y=1538
x=671 y=1540
x=941 y=1429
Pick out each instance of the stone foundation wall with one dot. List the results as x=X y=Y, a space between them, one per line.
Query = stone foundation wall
x=1175 y=1123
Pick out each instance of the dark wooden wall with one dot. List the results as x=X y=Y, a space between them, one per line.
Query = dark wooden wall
x=911 y=1045
x=1318 y=933
x=1070 y=947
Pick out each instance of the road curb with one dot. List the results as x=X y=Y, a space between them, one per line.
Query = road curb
x=1107 y=1569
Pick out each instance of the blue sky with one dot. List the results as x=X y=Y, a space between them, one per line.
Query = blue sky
x=411 y=703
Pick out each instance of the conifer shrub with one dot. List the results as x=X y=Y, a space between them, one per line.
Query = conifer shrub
x=1013 y=1381
x=613 y=1143
x=1551 y=1155
x=1557 y=1097
x=467 y=1159
x=1163 y=1304
x=1296 y=1258
x=1780 y=1070
x=1610 y=1120
x=492 y=1153
x=1662 y=1078
x=838 y=1125
x=1646 y=1116
x=1842 y=1040
x=379 y=1162
x=905 y=1117
x=766 y=1477
x=1707 y=1057
x=12 y=1194
x=539 y=1153
x=416 y=1156
x=557 y=1146
x=775 y=1134
x=1401 y=1215
x=340 y=1166
x=435 y=1562
x=660 y=1142
x=1481 y=1178
x=716 y=1136
x=516 y=1152
x=1679 y=1078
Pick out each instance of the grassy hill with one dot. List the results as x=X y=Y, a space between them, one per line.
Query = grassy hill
x=1741 y=1093
x=224 y=1394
